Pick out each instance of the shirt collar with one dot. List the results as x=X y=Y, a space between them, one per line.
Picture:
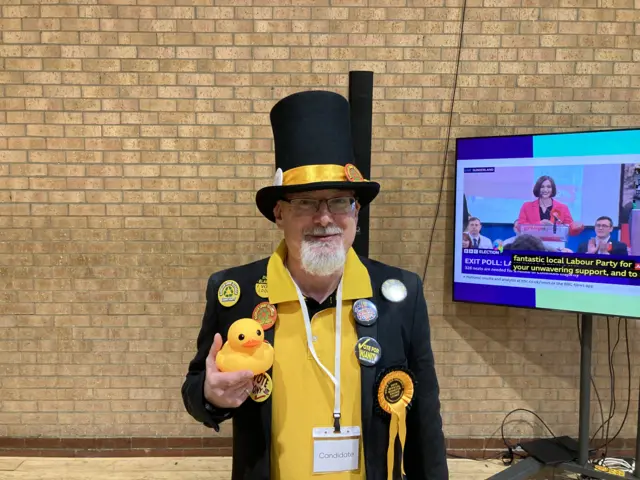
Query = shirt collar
x=356 y=280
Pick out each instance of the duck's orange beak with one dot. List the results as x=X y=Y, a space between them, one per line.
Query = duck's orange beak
x=252 y=343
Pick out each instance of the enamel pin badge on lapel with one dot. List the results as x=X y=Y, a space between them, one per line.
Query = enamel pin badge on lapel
x=261 y=287
x=365 y=312
x=394 y=290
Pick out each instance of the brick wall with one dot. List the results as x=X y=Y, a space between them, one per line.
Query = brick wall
x=133 y=136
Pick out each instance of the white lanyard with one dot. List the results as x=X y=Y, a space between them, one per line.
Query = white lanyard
x=336 y=377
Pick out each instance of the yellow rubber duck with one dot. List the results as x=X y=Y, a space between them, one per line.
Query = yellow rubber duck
x=245 y=348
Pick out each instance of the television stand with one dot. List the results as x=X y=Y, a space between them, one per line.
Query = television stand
x=530 y=466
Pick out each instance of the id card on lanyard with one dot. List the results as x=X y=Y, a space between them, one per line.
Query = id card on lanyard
x=337 y=448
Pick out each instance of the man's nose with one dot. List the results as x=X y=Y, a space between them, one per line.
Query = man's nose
x=323 y=215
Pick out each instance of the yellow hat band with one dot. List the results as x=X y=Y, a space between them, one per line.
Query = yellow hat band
x=321 y=173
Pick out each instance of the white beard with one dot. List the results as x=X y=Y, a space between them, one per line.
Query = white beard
x=320 y=258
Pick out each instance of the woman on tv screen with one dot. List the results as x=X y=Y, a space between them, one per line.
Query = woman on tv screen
x=546 y=209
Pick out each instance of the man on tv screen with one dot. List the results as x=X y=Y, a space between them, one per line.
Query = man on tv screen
x=477 y=241
x=602 y=243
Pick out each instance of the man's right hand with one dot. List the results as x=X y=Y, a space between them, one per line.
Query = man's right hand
x=225 y=389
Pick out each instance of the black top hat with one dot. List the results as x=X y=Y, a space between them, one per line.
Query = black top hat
x=313 y=149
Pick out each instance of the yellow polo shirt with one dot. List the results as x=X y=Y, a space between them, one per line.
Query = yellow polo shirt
x=303 y=394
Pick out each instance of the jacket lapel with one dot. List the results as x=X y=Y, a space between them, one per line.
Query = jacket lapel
x=358 y=284
x=367 y=380
x=265 y=411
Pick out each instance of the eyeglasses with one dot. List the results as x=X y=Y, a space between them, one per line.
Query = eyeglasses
x=603 y=225
x=337 y=205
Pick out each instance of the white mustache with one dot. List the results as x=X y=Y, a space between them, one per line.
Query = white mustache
x=330 y=230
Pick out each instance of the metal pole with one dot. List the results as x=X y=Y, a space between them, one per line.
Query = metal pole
x=636 y=472
x=361 y=107
x=585 y=388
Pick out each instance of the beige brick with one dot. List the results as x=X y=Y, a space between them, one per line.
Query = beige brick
x=615 y=28
x=195 y=26
x=177 y=144
x=176 y=39
x=24 y=117
x=135 y=38
x=195 y=79
x=62 y=37
x=613 y=55
x=102 y=118
x=616 y=82
x=21 y=37
x=23 y=64
x=594 y=68
x=156 y=52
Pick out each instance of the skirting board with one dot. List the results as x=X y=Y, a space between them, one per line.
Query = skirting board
x=476 y=448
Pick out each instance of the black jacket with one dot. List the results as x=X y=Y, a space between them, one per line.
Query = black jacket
x=403 y=333
x=617 y=248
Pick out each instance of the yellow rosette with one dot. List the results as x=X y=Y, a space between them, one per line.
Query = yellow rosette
x=394 y=393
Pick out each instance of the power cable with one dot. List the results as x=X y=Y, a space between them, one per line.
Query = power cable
x=626 y=413
x=508 y=457
x=612 y=384
x=448 y=138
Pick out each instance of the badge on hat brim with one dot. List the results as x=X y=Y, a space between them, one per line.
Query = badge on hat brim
x=394 y=290
x=229 y=293
x=368 y=351
x=365 y=312
x=261 y=287
x=352 y=173
x=265 y=314
x=394 y=391
x=262 y=387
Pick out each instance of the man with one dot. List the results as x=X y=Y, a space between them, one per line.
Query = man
x=514 y=237
x=465 y=213
x=477 y=240
x=316 y=419
x=603 y=244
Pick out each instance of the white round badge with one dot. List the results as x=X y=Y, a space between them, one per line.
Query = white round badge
x=394 y=290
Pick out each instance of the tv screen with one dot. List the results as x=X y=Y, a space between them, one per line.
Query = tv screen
x=549 y=221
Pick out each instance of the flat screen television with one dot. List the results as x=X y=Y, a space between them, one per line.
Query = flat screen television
x=549 y=221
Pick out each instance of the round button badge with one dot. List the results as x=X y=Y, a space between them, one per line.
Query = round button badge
x=394 y=290
x=265 y=314
x=368 y=351
x=229 y=293
x=262 y=387
x=365 y=312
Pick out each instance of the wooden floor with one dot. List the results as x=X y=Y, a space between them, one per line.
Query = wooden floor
x=163 y=468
